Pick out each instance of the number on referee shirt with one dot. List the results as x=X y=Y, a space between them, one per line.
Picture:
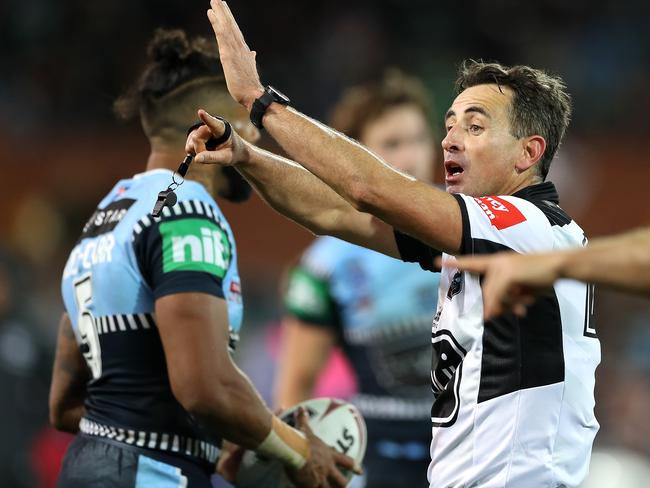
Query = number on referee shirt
x=590 y=323
x=83 y=292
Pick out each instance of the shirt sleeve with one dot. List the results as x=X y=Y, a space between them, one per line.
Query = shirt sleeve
x=412 y=250
x=183 y=254
x=309 y=298
x=503 y=223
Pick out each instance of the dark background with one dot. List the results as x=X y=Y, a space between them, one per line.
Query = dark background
x=64 y=62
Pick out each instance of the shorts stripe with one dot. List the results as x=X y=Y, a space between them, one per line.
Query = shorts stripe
x=156 y=473
x=168 y=442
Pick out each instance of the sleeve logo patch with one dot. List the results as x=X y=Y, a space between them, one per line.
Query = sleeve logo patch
x=502 y=213
x=306 y=294
x=195 y=245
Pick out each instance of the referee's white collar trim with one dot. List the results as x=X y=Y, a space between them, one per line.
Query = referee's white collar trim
x=153 y=172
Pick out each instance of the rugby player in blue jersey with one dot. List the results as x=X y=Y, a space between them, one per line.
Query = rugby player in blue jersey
x=143 y=372
x=377 y=308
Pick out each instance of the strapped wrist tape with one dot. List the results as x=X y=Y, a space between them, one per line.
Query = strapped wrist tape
x=285 y=443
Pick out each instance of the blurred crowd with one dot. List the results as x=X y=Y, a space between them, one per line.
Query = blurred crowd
x=61 y=150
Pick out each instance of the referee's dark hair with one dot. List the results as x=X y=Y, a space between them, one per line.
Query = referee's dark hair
x=362 y=104
x=540 y=103
x=181 y=73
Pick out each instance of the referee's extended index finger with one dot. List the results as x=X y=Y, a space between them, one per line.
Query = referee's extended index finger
x=196 y=140
x=217 y=127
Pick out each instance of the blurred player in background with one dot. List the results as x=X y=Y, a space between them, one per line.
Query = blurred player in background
x=378 y=308
x=143 y=370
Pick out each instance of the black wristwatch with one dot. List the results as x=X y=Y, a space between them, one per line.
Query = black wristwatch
x=262 y=103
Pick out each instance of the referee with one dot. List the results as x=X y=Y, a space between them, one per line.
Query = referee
x=513 y=397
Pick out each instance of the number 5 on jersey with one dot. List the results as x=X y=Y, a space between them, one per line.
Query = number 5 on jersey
x=83 y=293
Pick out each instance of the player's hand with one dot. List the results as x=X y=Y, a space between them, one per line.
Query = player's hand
x=512 y=281
x=322 y=467
x=229 y=460
x=231 y=152
x=237 y=59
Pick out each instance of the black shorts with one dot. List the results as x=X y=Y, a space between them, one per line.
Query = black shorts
x=96 y=462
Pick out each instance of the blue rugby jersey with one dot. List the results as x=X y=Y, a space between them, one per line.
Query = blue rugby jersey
x=125 y=260
x=381 y=309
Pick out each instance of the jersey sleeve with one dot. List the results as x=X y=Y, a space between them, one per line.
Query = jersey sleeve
x=183 y=253
x=308 y=298
x=412 y=250
x=503 y=223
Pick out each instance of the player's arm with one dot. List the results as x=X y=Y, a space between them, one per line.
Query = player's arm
x=303 y=354
x=366 y=182
x=621 y=262
x=352 y=171
x=194 y=332
x=292 y=190
x=309 y=331
x=193 y=323
x=69 y=377
x=511 y=280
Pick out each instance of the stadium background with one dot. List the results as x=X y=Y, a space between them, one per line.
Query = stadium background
x=63 y=63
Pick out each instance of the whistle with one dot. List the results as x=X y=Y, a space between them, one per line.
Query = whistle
x=165 y=198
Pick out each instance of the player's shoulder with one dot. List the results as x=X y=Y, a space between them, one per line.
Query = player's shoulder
x=192 y=196
x=194 y=203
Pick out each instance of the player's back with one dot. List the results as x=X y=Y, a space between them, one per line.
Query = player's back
x=381 y=308
x=124 y=260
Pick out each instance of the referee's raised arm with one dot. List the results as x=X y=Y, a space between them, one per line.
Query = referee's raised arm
x=360 y=177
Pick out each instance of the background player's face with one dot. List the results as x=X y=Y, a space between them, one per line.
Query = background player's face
x=402 y=137
x=480 y=153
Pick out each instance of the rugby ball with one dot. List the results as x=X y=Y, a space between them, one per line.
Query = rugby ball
x=338 y=423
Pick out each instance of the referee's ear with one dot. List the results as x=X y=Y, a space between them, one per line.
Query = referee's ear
x=533 y=150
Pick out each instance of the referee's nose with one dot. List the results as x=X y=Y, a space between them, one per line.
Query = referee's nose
x=452 y=141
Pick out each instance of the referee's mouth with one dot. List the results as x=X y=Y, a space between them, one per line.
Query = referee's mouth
x=453 y=172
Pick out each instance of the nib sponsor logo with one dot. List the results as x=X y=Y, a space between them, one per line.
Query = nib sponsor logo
x=195 y=245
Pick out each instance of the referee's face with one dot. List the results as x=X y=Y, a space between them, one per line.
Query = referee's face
x=480 y=153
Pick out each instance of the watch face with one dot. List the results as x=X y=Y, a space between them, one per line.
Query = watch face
x=278 y=96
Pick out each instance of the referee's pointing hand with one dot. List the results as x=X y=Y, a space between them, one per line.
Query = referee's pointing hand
x=228 y=153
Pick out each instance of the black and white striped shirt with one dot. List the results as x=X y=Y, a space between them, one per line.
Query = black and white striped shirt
x=513 y=397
